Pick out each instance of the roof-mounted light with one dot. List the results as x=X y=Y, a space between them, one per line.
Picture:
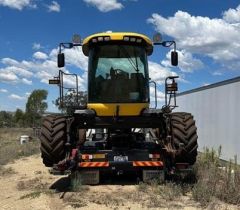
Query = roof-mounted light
x=132 y=39
x=106 y=38
x=101 y=39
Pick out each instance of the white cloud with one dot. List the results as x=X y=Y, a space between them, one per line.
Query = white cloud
x=27 y=94
x=3 y=90
x=186 y=61
x=36 y=46
x=26 y=81
x=217 y=73
x=105 y=6
x=16 y=97
x=18 y=71
x=17 y=4
x=232 y=15
x=40 y=55
x=215 y=38
x=8 y=77
x=9 y=61
x=54 y=7
x=205 y=84
x=158 y=73
x=11 y=73
x=76 y=57
x=160 y=95
x=23 y=71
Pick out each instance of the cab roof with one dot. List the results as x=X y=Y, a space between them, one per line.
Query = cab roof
x=117 y=36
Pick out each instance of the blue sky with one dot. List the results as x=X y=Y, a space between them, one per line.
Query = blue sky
x=207 y=35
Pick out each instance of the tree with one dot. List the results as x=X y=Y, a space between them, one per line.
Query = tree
x=36 y=106
x=71 y=100
x=19 y=118
x=6 y=119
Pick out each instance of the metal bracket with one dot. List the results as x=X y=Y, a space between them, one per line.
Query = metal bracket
x=170 y=92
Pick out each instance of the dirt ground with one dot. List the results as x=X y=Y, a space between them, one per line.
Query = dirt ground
x=26 y=184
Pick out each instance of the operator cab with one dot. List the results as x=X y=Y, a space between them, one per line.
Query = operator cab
x=118 y=70
x=118 y=73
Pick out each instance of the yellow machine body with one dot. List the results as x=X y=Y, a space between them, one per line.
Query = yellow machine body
x=125 y=109
x=119 y=36
x=120 y=109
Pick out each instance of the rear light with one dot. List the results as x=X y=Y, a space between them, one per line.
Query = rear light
x=154 y=156
x=93 y=156
x=87 y=157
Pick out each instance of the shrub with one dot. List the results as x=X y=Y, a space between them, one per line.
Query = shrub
x=216 y=179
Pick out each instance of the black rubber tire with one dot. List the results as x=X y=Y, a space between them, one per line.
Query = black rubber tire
x=53 y=138
x=184 y=131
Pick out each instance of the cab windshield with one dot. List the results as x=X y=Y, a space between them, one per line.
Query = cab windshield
x=118 y=74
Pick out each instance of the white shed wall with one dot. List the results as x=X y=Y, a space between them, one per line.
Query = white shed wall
x=217 y=114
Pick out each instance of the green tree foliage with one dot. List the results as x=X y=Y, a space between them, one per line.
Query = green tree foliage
x=20 y=118
x=6 y=119
x=19 y=115
x=36 y=106
x=71 y=100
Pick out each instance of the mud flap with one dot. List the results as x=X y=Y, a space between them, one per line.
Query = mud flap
x=89 y=177
x=149 y=175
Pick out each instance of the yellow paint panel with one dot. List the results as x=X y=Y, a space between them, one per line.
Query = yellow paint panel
x=125 y=109
x=98 y=156
x=118 y=36
x=115 y=37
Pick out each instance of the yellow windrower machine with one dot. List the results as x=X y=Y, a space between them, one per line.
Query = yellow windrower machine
x=116 y=131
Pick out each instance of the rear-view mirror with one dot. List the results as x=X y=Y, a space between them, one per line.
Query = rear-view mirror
x=61 y=60
x=174 y=58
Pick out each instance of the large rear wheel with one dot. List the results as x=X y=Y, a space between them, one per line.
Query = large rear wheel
x=53 y=138
x=184 y=134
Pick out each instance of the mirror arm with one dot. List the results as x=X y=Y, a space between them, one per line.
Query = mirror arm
x=60 y=48
x=175 y=46
x=167 y=44
x=68 y=45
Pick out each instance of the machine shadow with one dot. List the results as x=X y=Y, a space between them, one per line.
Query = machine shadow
x=63 y=184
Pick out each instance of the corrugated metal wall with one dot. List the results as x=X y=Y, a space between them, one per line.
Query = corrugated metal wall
x=217 y=114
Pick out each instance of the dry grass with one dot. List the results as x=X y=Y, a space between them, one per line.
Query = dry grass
x=6 y=171
x=32 y=184
x=10 y=148
x=216 y=180
x=160 y=194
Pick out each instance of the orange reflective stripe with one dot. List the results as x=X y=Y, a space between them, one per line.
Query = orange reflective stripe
x=94 y=164
x=147 y=163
